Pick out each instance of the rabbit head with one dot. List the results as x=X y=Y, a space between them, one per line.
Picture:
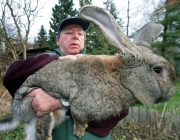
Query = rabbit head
x=148 y=76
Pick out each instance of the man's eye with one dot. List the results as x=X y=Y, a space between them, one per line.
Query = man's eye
x=80 y=33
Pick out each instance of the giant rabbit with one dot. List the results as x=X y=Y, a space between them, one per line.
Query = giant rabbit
x=97 y=86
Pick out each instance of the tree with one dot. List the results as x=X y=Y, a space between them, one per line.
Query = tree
x=84 y=2
x=16 y=19
x=42 y=37
x=127 y=27
x=1 y=41
x=59 y=12
x=171 y=22
x=168 y=15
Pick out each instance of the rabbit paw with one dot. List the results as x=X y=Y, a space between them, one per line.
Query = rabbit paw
x=79 y=129
x=79 y=134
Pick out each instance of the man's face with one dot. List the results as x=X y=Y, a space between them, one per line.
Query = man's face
x=71 y=40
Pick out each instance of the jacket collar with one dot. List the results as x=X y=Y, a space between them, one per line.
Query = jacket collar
x=58 y=51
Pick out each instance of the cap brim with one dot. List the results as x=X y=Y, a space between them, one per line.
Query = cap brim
x=73 y=20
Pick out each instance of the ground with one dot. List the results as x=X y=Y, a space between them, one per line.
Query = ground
x=5 y=101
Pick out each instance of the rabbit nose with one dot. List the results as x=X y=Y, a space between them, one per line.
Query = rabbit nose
x=163 y=99
x=158 y=100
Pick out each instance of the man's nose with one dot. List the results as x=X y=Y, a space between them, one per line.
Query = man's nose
x=75 y=35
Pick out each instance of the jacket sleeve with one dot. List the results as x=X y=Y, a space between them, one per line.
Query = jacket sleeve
x=102 y=128
x=20 y=70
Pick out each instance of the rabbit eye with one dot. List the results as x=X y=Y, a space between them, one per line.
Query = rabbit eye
x=158 y=70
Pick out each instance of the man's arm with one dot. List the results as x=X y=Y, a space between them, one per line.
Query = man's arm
x=20 y=70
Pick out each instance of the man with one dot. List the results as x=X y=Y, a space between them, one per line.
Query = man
x=70 y=39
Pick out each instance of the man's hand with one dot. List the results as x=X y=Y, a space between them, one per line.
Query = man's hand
x=43 y=103
x=73 y=57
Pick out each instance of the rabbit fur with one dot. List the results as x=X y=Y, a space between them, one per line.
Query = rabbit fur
x=97 y=86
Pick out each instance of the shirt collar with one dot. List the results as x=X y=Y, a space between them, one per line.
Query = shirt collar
x=58 y=51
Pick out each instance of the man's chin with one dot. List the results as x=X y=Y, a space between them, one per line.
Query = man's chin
x=74 y=52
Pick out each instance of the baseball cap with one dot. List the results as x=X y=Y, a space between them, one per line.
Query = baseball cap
x=73 y=20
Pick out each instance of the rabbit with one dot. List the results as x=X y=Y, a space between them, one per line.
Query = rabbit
x=97 y=86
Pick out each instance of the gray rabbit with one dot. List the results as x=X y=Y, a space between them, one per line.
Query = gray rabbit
x=97 y=86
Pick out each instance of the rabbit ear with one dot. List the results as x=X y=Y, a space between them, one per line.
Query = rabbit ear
x=148 y=33
x=109 y=28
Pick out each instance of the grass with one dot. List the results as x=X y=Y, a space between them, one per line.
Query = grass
x=178 y=83
x=135 y=131
x=13 y=135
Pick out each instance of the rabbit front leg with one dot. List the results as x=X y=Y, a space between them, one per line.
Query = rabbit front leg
x=80 y=120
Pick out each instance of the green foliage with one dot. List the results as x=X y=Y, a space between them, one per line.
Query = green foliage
x=95 y=42
x=59 y=12
x=13 y=135
x=84 y=2
x=42 y=37
x=171 y=33
x=178 y=84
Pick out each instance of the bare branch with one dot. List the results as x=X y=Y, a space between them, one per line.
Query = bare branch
x=20 y=16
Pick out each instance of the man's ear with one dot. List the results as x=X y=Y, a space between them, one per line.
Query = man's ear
x=84 y=35
x=57 y=38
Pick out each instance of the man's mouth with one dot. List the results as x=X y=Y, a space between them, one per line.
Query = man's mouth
x=74 y=44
